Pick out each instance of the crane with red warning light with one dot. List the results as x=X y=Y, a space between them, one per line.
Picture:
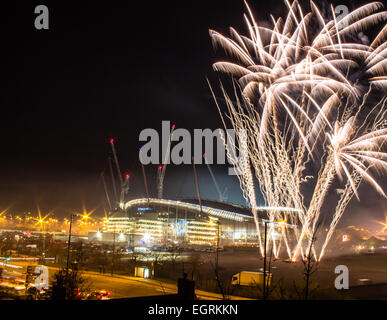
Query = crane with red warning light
x=124 y=183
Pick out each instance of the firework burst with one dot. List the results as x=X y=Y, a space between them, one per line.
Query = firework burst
x=306 y=94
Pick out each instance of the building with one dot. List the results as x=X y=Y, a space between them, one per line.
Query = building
x=158 y=222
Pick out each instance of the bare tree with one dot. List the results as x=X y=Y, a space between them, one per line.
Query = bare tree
x=310 y=264
x=218 y=280
x=223 y=283
x=269 y=289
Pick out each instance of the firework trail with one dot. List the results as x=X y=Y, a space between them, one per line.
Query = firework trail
x=246 y=179
x=302 y=95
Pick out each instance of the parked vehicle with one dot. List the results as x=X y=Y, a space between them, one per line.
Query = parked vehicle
x=250 y=279
x=99 y=295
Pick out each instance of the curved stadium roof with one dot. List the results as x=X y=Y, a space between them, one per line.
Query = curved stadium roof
x=223 y=210
x=219 y=213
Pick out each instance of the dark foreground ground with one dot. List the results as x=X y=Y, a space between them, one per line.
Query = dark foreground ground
x=287 y=282
x=290 y=275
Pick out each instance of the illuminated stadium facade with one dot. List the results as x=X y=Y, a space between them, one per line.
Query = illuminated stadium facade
x=152 y=222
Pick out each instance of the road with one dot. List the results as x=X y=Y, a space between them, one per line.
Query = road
x=129 y=287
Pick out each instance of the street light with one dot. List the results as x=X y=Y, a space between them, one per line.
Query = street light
x=41 y=221
x=86 y=214
x=3 y=216
x=281 y=222
x=69 y=244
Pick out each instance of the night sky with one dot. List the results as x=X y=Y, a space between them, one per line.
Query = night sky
x=110 y=69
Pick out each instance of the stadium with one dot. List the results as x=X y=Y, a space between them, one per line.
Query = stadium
x=160 y=222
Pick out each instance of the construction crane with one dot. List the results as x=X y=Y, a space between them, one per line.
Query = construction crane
x=125 y=188
x=124 y=183
x=222 y=195
x=197 y=188
x=145 y=182
x=113 y=182
x=159 y=186
x=163 y=168
x=106 y=191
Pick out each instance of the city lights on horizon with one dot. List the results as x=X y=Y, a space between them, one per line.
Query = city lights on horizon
x=48 y=222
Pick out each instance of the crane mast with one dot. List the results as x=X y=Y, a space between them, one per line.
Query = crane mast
x=106 y=191
x=145 y=182
x=116 y=161
x=113 y=182
x=124 y=184
x=197 y=187
x=163 y=168
x=221 y=195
